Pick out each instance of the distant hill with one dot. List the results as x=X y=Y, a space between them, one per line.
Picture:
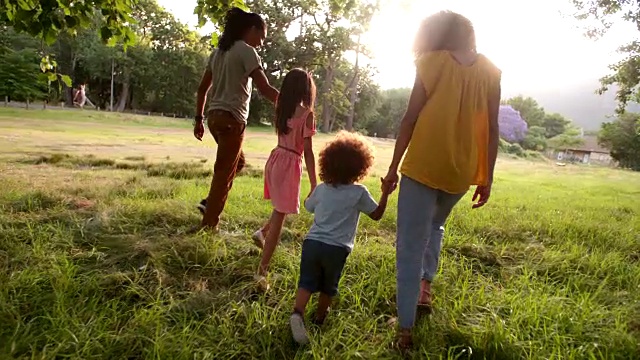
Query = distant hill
x=580 y=103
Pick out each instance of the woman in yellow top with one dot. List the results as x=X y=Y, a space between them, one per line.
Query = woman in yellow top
x=450 y=135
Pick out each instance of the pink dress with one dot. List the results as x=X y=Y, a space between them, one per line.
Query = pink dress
x=284 y=167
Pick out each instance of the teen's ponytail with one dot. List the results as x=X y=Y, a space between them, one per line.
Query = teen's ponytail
x=236 y=24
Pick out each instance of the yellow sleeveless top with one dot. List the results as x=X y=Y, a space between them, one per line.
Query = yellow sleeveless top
x=448 y=150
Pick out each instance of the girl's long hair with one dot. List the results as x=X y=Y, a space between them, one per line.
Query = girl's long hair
x=236 y=23
x=297 y=88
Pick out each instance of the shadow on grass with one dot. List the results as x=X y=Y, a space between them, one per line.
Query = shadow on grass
x=173 y=170
x=493 y=346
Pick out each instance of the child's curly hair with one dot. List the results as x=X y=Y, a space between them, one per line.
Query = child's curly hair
x=345 y=160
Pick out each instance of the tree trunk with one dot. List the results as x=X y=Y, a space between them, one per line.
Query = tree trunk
x=27 y=103
x=6 y=101
x=352 y=100
x=326 y=102
x=332 y=121
x=354 y=91
x=124 y=96
x=68 y=91
x=301 y=22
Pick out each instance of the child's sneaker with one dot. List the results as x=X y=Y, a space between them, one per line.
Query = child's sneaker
x=298 y=330
x=202 y=206
x=258 y=238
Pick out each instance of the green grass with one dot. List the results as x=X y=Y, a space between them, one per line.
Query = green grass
x=94 y=262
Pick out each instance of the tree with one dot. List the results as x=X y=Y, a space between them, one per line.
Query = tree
x=214 y=11
x=571 y=137
x=535 y=139
x=280 y=52
x=314 y=35
x=622 y=138
x=322 y=42
x=19 y=78
x=360 y=22
x=626 y=73
x=393 y=104
x=159 y=73
x=512 y=127
x=369 y=99
x=555 y=124
x=47 y=20
x=529 y=109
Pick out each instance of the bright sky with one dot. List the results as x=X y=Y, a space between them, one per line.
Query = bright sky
x=537 y=43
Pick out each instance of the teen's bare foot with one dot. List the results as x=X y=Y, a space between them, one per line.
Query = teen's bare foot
x=262 y=282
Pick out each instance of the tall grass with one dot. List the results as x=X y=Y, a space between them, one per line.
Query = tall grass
x=95 y=262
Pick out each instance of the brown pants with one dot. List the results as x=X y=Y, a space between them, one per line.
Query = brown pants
x=228 y=134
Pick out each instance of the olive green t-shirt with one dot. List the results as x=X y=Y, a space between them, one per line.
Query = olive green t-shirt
x=231 y=85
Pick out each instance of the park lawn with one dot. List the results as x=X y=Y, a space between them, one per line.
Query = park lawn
x=95 y=262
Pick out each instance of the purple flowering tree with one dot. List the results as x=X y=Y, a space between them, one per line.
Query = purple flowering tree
x=513 y=128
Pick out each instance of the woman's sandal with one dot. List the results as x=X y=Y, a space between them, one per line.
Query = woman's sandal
x=425 y=305
x=404 y=342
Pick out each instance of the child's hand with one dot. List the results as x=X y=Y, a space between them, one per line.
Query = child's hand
x=310 y=192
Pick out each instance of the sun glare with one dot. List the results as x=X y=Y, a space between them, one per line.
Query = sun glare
x=537 y=44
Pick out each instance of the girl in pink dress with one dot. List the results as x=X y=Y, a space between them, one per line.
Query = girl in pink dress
x=295 y=127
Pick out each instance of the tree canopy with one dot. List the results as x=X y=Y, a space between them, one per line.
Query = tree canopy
x=625 y=73
x=541 y=129
x=93 y=42
x=622 y=137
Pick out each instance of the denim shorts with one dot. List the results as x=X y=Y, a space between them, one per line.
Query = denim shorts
x=321 y=267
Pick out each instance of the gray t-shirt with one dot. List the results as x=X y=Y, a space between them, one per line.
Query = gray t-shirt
x=231 y=88
x=337 y=212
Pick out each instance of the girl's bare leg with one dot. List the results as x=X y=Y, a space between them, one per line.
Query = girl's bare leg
x=265 y=228
x=271 y=242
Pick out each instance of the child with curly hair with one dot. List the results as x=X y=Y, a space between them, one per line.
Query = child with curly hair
x=336 y=205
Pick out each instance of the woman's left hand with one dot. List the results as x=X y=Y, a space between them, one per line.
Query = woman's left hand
x=482 y=195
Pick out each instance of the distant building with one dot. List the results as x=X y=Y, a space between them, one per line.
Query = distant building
x=588 y=153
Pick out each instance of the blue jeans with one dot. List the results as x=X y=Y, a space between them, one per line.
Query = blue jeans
x=422 y=213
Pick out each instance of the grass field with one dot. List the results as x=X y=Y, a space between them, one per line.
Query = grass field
x=94 y=262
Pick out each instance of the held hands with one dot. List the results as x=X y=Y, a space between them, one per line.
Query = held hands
x=389 y=182
x=313 y=187
x=198 y=130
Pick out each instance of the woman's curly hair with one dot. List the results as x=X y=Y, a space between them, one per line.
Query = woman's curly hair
x=345 y=160
x=444 y=30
